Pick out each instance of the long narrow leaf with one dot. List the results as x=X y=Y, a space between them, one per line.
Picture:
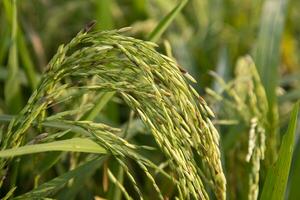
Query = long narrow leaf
x=75 y=145
x=268 y=44
x=23 y=51
x=266 y=58
x=166 y=21
x=294 y=182
x=277 y=177
x=12 y=92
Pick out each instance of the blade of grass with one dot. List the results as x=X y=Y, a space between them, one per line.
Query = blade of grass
x=27 y=62
x=166 y=21
x=294 y=182
x=12 y=92
x=50 y=124
x=266 y=58
x=277 y=177
x=55 y=184
x=166 y=5
x=268 y=45
x=74 y=145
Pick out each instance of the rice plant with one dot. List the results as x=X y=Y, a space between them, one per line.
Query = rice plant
x=119 y=114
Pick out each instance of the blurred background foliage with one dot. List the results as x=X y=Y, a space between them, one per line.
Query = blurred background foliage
x=206 y=35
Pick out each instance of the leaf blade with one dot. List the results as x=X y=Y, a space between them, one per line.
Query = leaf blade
x=13 y=97
x=166 y=21
x=74 y=144
x=277 y=177
x=266 y=56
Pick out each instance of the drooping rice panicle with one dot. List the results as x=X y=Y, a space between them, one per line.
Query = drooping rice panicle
x=249 y=105
x=152 y=85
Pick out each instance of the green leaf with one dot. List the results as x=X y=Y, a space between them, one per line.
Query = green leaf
x=268 y=45
x=55 y=184
x=277 y=177
x=13 y=97
x=75 y=145
x=166 y=21
x=294 y=182
x=23 y=51
x=266 y=56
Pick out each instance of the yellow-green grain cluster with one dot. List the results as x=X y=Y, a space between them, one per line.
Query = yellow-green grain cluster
x=247 y=103
x=151 y=84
